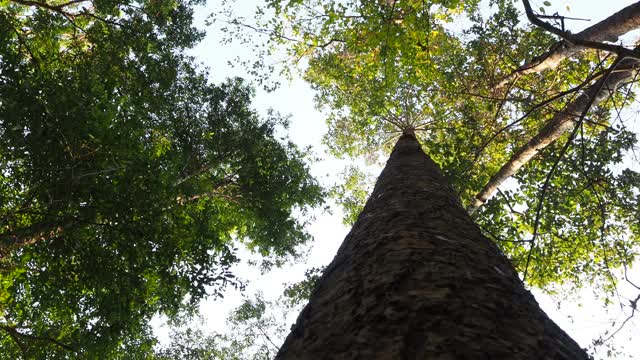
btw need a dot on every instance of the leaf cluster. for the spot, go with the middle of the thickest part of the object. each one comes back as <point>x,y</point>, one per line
<point>127,180</point>
<point>383,67</point>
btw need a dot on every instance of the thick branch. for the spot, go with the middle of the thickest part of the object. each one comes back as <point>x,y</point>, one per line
<point>28,236</point>
<point>609,29</point>
<point>44,5</point>
<point>574,39</point>
<point>15,334</point>
<point>558,125</point>
<point>215,193</point>
<point>199,171</point>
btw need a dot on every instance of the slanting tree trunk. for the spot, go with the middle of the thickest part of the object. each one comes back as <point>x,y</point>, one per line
<point>415,279</point>
<point>558,125</point>
<point>609,29</point>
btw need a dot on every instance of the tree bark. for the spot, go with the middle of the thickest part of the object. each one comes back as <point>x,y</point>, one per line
<point>609,30</point>
<point>416,279</point>
<point>561,122</point>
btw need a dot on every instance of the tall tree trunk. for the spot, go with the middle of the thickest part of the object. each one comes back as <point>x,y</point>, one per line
<point>415,279</point>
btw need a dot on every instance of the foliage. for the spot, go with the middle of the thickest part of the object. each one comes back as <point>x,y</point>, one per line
<point>351,194</point>
<point>384,66</point>
<point>299,293</point>
<point>126,179</point>
<point>589,215</point>
<point>255,328</point>
<point>194,344</point>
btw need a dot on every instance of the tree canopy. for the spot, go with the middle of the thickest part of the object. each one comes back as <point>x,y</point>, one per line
<point>127,180</point>
<point>492,97</point>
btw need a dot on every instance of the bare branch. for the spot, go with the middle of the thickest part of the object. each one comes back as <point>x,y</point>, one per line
<point>634,306</point>
<point>266,336</point>
<point>609,29</point>
<point>275,34</point>
<point>574,39</point>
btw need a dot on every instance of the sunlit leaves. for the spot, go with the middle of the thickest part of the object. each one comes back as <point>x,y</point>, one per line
<point>352,193</point>
<point>256,328</point>
<point>434,66</point>
<point>586,230</point>
<point>127,180</point>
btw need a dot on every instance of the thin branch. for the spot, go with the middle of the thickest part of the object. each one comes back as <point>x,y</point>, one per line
<point>531,110</point>
<point>498,239</point>
<point>558,125</point>
<point>94,16</point>
<point>573,39</point>
<point>214,193</point>
<point>71,3</point>
<point>601,203</point>
<point>276,34</point>
<point>22,41</point>
<point>54,8</point>
<point>16,339</point>
<point>199,171</point>
<point>634,307</point>
<point>624,101</point>
<point>545,186</point>
<point>609,29</point>
<point>267,337</point>
<point>626,278</point>
<point>508,202</point>
<point>15,333</point>
<point>16,240</point>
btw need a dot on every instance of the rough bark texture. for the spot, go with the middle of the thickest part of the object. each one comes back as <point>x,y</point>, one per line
<point>609,30</point>
<point>415,279</point>
<point>562,122</point>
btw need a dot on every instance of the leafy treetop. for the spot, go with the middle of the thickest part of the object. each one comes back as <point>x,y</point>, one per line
<point>126,179</point>
<point>439,68</point>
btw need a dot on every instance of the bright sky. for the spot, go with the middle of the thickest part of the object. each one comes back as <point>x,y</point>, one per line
<point>582,318</point>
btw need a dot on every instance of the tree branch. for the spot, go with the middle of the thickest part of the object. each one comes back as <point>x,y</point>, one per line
<point>34,234</point>
<point>557,126</point>
<point>44,5</point>
<point>199,171</point>
<point>266,336</point>
<point>60,9</point>
<point>609,29</point>
<point>597,96</point>
<point>576,40</point>
<point>634,306</point>
<point>15,334</point>
<point>529,112</point>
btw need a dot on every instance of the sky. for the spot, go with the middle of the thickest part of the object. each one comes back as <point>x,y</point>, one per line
<point>581,317</point>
